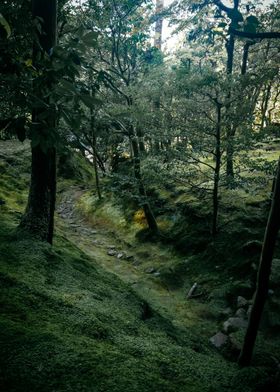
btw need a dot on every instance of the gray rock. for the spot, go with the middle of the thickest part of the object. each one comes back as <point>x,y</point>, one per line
<point>249,310</point>
<point>150,270</point>
<point>111,247</point>
<point>111,252</point>
<point>241,302</point>
<point>120,255</point>
<point>219,340</point>
<point>156,273</point>
<point>241,313</point>
<point>226,312</point>
<point>129,258</point>
<point>234,323</point>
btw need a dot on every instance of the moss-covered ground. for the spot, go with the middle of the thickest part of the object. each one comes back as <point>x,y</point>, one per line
<point>69,324</point>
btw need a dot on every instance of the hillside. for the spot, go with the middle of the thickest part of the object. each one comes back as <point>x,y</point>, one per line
<point>67,324</point>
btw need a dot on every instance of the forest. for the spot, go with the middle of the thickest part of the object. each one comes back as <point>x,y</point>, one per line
<point>140,195</point>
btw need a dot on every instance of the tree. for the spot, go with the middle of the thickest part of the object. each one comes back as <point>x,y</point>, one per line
<point>270,237</point>
<point>39,215</point>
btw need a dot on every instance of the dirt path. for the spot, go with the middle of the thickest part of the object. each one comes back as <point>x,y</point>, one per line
<point>115,255</point>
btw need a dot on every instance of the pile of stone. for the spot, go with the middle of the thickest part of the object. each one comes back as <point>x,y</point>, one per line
<point>234,323</point>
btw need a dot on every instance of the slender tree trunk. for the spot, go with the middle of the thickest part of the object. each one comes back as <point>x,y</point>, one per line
<point>245,57</point>
<point>52,188</point>
<point>158,29</point>
<point>265,105</point>
<point>230,136</point>
<point>94,149</point>
<point>217,171</point>
<point>140,135</point>
<point>230,127</point>
<point>152,224</point>
<point>269,242</point>
<point>39,215</point>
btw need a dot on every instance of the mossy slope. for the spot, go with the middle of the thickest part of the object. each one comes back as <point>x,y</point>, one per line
<point>67,325</point>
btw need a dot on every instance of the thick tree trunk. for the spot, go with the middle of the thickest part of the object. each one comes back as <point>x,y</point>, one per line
<point>269,242</point>
<point>39,216</point>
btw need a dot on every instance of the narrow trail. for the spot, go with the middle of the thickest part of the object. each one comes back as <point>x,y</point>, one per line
<point>110,251</point>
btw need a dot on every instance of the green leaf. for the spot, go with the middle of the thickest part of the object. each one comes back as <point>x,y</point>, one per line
<point>252,20</point>
<point>6,25</point>
<point>89,101</point>
<point>90,38</point>
<point>68,85</point>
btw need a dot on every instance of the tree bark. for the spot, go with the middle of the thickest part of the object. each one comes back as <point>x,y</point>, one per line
<point>151,221</point>
<point>39,215</point>
<point>264,270</point>
<point>158,29</point>
<point>93,142</point>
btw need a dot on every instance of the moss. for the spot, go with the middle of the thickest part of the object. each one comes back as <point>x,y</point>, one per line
<point>69,325</point>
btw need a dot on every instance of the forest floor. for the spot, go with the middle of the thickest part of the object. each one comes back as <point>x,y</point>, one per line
<point>97,312</point>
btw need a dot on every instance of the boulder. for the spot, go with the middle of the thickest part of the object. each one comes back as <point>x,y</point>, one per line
<point>234,323</point>
<point>241,313</point>
<point>241,302</point>
<point>111,252</point>
<point>219,340</point>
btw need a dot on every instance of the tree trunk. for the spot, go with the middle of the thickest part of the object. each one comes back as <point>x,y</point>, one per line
<point>265,105</point>
<point>158,29</point>
<point>93,142</point>
<point>39,215</point>
<point>217,171</point>
<point>137,173</point>
<point>245,57</point>
<point>230,128</point>
<point>269,241</point>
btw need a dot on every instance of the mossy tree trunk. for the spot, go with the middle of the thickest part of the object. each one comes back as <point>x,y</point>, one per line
<point>264,270</point>
<point>39,215</point>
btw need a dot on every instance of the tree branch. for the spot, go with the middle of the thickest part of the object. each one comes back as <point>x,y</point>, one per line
<point>245,34</point>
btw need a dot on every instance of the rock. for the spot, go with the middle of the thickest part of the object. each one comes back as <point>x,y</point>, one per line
<point>111,252</point>
<point>219,340</point>
<point>241,302</point>
<point>156,273</point>
<point>226,312</point>
<point>270,292</point>
<point>129,258</point>
<point>234,323</point>
<point>120,255</point>
<point>241,313</point>
<point>111,247</point>
<point>150,270</point>
<point>93,232</point>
